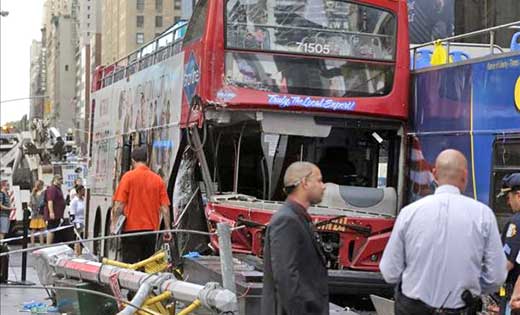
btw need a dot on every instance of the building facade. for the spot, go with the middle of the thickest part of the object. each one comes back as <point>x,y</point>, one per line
<point>60,39</point>
<point>61,72</point>
<point>88,19</point>
<point>88,27</point>
<point>68,29</point>
<point>36,89</point>
<point>137,22</point>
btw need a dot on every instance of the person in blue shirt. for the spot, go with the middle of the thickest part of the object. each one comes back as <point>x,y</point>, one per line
<point>445,248</point>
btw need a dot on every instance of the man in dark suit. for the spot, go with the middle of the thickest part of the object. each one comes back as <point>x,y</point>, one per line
<point>295,275</point>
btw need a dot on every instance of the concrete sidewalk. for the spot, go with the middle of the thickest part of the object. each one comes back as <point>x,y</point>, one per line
<point>12,299</point>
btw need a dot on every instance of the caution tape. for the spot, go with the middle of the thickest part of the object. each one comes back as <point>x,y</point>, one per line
<point>59,228</point>
<point>101,238</point>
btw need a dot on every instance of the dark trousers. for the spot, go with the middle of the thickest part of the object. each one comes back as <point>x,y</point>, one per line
<point>61,235</point>
<point>137,248</point>
<point>406,306</point>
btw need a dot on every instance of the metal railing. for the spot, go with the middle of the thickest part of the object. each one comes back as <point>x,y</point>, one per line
<point>491,31</point>
<point>159,49</point>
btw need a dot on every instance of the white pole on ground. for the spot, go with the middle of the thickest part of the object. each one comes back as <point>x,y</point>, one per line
<point>226,257</point>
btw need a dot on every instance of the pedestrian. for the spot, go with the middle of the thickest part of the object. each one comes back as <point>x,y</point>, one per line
<point>511,237</point>
<point>295,272</point>
<point>12,214</point>
<point>141,197</point>
<point>445,248</point>
<point>55,207</point>
<point>37,223</point>
<point>73,191</point>
<point>5,208</point>
<point>77,214</point>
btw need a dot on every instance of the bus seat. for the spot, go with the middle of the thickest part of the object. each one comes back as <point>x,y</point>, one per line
<point>376,200</point>
<point>423,60</point>
<point>458,55</point>
<point>515,44</point>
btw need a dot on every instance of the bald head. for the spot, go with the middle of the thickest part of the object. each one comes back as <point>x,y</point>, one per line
<point>296,172</point>
<point>305,181</point>
<point>451,168</point>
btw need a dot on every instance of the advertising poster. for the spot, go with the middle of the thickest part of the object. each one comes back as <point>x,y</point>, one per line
<point>430,20</point>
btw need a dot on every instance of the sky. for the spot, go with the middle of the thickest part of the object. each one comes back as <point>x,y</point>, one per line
<point>18,29</point>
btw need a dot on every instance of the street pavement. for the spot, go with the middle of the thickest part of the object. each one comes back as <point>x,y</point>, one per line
<point>12,299</point>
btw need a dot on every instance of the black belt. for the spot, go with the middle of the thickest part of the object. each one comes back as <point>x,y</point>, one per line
<point>431,310</point>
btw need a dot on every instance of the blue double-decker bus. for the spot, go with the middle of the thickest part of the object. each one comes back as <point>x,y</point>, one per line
<point>472,106</point>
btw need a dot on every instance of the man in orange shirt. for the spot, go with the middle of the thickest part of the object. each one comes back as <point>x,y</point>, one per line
<point>141,196</point>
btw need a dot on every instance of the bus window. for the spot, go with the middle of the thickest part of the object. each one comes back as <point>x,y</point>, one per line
<point>347,157</point>
<point>308,76</point>
<point>317,27</point>
<point>197,22</point>
<point>506,160</point>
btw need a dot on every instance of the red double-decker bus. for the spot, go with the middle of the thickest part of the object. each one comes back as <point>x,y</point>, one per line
<point>226,102</point>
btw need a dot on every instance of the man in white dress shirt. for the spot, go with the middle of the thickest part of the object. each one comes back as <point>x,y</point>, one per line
<point>444,248</point>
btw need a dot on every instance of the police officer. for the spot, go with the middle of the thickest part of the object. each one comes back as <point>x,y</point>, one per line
<point>510,235</point>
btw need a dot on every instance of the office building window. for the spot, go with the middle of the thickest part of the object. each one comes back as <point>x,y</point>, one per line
<point>140,21</point>
<point>159,5</point>
<point>177,5</point>
<point>139,38</point>
<point>140,5</point>
<point>158,21</point>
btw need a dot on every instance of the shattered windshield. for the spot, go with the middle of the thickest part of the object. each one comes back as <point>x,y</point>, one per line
<point>314,27</point>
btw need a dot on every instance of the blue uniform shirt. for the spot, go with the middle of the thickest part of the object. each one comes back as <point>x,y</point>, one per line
<point>442,245</point>
<point>511,239</point>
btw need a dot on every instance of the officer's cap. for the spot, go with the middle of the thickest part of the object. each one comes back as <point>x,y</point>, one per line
<point>510,182</point>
